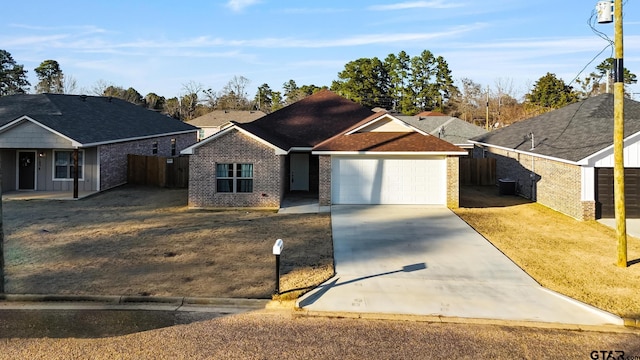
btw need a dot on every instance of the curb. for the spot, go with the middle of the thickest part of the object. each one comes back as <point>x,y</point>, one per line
<point>475,321</point>
<point>629,323</point>
<point>137,300</point>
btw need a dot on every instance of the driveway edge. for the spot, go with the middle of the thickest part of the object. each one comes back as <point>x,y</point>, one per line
<point>475,321</point>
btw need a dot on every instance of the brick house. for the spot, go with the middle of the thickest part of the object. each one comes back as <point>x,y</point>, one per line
<point>324,146</point>
<point>564,159</point>
<point>45,137</point>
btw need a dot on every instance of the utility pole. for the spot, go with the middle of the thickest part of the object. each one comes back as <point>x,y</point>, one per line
<point>604,9</point>
<point>1,243</point>
<point>604,17</point>
<point>618,137</point>
<point>486,125</point>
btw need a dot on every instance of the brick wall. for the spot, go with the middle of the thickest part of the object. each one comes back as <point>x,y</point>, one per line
<point>550,183</point>
<point>233,147</point>
<point>324,186</point>
<point>453,182</point>
<point>113,157</point>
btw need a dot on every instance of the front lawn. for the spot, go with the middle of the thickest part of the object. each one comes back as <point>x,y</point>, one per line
<point>571,257</point>
<point>145,241</point>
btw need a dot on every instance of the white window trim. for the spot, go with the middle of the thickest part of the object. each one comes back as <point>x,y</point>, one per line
<point>53,166</point>
<point>235,178</point>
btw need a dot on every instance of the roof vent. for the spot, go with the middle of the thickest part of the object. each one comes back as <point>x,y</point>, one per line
<point>83,97</point>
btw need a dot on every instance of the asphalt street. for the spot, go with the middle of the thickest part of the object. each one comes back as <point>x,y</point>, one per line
<point>267,334</point>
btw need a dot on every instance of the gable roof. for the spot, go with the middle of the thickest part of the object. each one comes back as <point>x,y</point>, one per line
<point>456,131</point>
<point>221,117</point>
<point>88,120</point>
<point>358,139</point>
<point>309,121</point>
<point>573,133</point>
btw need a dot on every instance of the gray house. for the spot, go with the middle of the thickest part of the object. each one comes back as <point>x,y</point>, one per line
<point>447,128</point>
<point>217,120</point>
<point>44,138</point>
<point>564,159</point>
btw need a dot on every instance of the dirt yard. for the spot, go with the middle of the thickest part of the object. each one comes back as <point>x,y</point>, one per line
<point>145,241</point>
<point>571,257</point>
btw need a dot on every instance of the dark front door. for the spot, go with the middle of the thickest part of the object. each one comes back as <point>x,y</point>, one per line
<point>26,170</point>
<point>604,193</point>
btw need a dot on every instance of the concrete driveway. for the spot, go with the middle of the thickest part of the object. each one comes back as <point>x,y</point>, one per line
<point>415,260</point>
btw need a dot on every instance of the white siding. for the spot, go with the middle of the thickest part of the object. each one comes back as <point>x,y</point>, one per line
<point>588,183</point>
<point>631,154</point>
<point>387,125</point>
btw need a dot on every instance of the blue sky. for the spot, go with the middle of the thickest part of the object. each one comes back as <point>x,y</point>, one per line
<point>158,46</point>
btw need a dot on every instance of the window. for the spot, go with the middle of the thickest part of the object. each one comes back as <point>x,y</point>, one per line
<point>234,178</point>
<point>154,148</point>
<point>63,165</point>
<point>173,147</point>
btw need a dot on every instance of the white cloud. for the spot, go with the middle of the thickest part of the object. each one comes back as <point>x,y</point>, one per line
<point>436,4</point>
<point>239,5</point>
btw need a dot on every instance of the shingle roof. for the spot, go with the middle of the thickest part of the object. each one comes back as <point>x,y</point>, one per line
<point>573,133</point>
<point>221,117</point>
<point>309,121</point>
<point>430,113</point>
<point>90,119</point>
<point>456,131</point>
<point>387,142</point>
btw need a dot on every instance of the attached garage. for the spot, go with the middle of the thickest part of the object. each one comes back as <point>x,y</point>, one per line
<point>604,193</point>
<point>389,180</point>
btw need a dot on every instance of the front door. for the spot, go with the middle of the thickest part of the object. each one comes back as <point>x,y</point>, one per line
<point>26,170</point>
<point>299,174</point>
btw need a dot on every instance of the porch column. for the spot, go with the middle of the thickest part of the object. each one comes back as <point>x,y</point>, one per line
<point>75,173</point>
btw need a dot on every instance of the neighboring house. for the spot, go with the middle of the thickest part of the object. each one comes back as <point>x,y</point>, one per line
<point>217,120</point>
<point>41,135</point>
<point>448,128</point>
<point>324,145</point>
<point>564,159</point>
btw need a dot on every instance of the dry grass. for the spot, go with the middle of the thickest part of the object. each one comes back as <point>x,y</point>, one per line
<point>145,241</point>
<point>571,257</point>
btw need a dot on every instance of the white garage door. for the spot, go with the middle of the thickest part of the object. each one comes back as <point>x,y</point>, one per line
<point>388,180</point>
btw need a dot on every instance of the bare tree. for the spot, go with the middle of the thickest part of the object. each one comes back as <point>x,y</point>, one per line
<point>99,87</point>
<point>69,85</point>
<point>234,94</point>
<point>189,101</point>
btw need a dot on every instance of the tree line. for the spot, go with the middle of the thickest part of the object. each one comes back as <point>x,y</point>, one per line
<point>400,83</point>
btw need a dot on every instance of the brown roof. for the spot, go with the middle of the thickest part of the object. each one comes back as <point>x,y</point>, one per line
<point>309,121</point>
<point>430,113</point>
<point>221,117</point>
<point>387,142</point>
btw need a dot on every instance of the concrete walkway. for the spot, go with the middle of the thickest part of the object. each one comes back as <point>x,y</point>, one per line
<point>410,260</point>
<point>302,204</point>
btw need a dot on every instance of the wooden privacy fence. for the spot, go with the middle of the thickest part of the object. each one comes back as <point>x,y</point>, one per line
<point>172,172</point>
<point>477,171</point>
